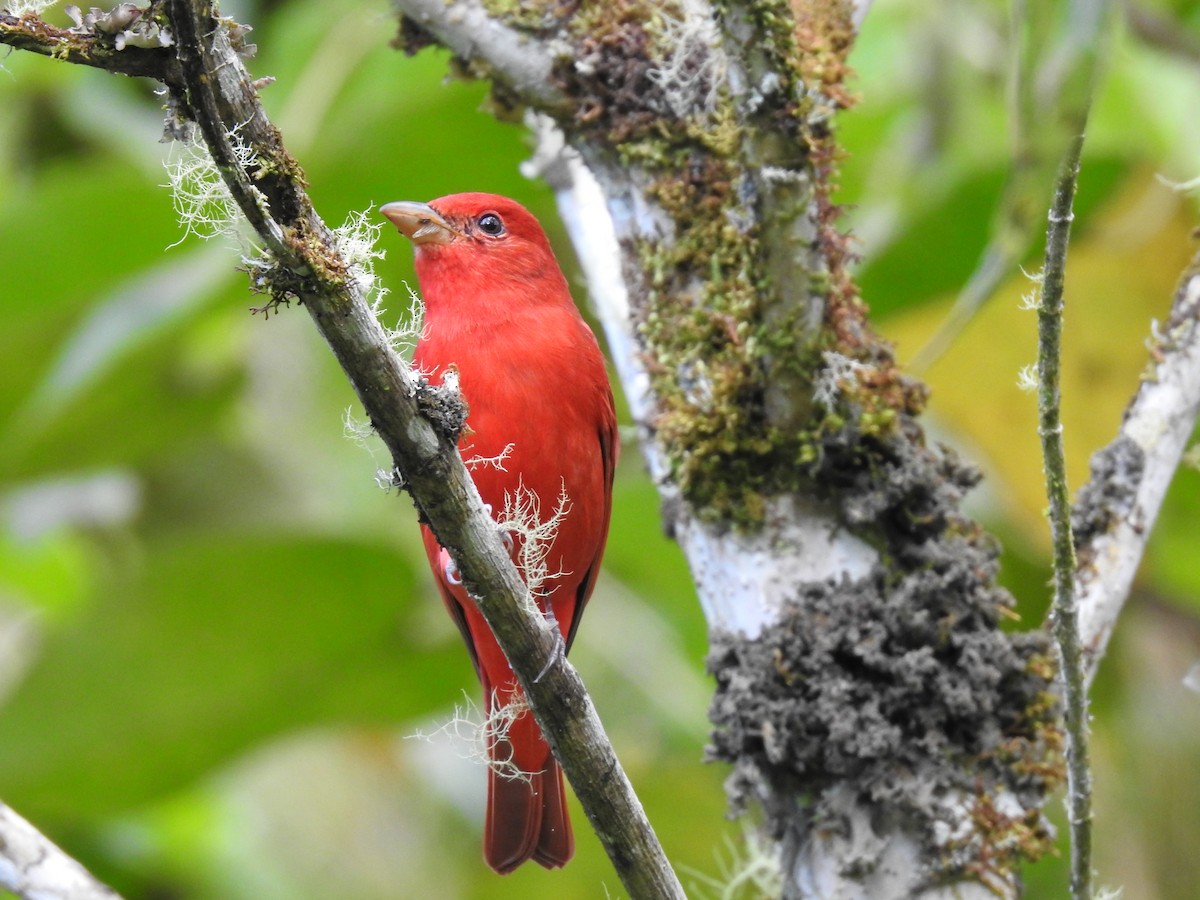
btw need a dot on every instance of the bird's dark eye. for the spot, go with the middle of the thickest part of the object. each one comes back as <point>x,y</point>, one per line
<point>489,223</point>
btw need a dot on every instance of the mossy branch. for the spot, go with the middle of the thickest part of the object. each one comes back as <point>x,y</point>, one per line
<point>210,84</point>
<point>494,49</point>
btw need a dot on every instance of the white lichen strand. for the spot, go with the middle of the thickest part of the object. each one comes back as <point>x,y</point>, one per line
<point>752,869</point>
<point>496,462</point>
<point>409,330</point>
<point>840,375</point>
<point>356,239</point>
<point>494,732</point>
<point>20,8</point>
<point>1031,301</point>
<point>1027,378</point>
<point>361,433</point>
<point>470,734</point>
<point>534,536</point>
<point>202,201</point>
<point>694,69</point>
<point>356,430</point>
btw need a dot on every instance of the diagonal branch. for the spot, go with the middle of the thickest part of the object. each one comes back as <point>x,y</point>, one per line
<point>1115,511</point>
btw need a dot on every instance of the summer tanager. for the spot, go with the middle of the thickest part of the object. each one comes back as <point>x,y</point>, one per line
<point>541,427</point>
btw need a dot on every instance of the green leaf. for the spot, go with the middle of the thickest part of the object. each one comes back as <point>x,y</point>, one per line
<point>202,651</point>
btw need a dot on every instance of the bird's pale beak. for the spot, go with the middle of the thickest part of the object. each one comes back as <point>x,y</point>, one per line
<point>419,222</point>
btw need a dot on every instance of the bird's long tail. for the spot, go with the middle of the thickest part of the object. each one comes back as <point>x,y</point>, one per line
<point>526,805</point>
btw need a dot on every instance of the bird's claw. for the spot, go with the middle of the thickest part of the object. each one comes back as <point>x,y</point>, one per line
<point>559,651</point>
<point>560,646</point>
<point>506,537</point>
<point>450,568</point>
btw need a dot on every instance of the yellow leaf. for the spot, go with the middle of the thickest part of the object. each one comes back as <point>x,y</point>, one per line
<point>1121,274</point>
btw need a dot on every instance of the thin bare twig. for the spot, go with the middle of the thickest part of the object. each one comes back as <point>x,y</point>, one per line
<point>1084,43</point>
<point>1065,612</point>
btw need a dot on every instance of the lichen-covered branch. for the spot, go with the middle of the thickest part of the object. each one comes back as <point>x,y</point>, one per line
<point>420,426</point>
<point>1115,511</point>
<point>34,868</point>
<point>92,46</point>
<point>511,56</point>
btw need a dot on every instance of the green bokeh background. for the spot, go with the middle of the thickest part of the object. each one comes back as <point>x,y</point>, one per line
<point>219,648</point>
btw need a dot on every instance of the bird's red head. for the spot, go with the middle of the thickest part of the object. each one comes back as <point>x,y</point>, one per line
<point>475,240</point>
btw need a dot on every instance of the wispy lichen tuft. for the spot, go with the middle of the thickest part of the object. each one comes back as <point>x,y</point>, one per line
<point>751,870</point>
<point>533,536</point>
<point>20,8</point>
<point>470,734</point>
<point>202,201</point>
<point>357,241</point>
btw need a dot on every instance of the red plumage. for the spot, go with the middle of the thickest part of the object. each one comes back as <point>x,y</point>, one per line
<point>497,309</point>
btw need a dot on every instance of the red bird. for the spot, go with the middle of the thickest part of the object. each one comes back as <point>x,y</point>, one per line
<point>541,425</point>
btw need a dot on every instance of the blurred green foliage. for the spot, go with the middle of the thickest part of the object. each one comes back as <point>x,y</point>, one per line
<point>217,638</point>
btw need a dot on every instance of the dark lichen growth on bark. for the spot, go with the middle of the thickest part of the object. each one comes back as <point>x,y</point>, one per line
<point>900,684</point>
<point>411,37</point>
<point>444,407</point>
<point>1116,472</point>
